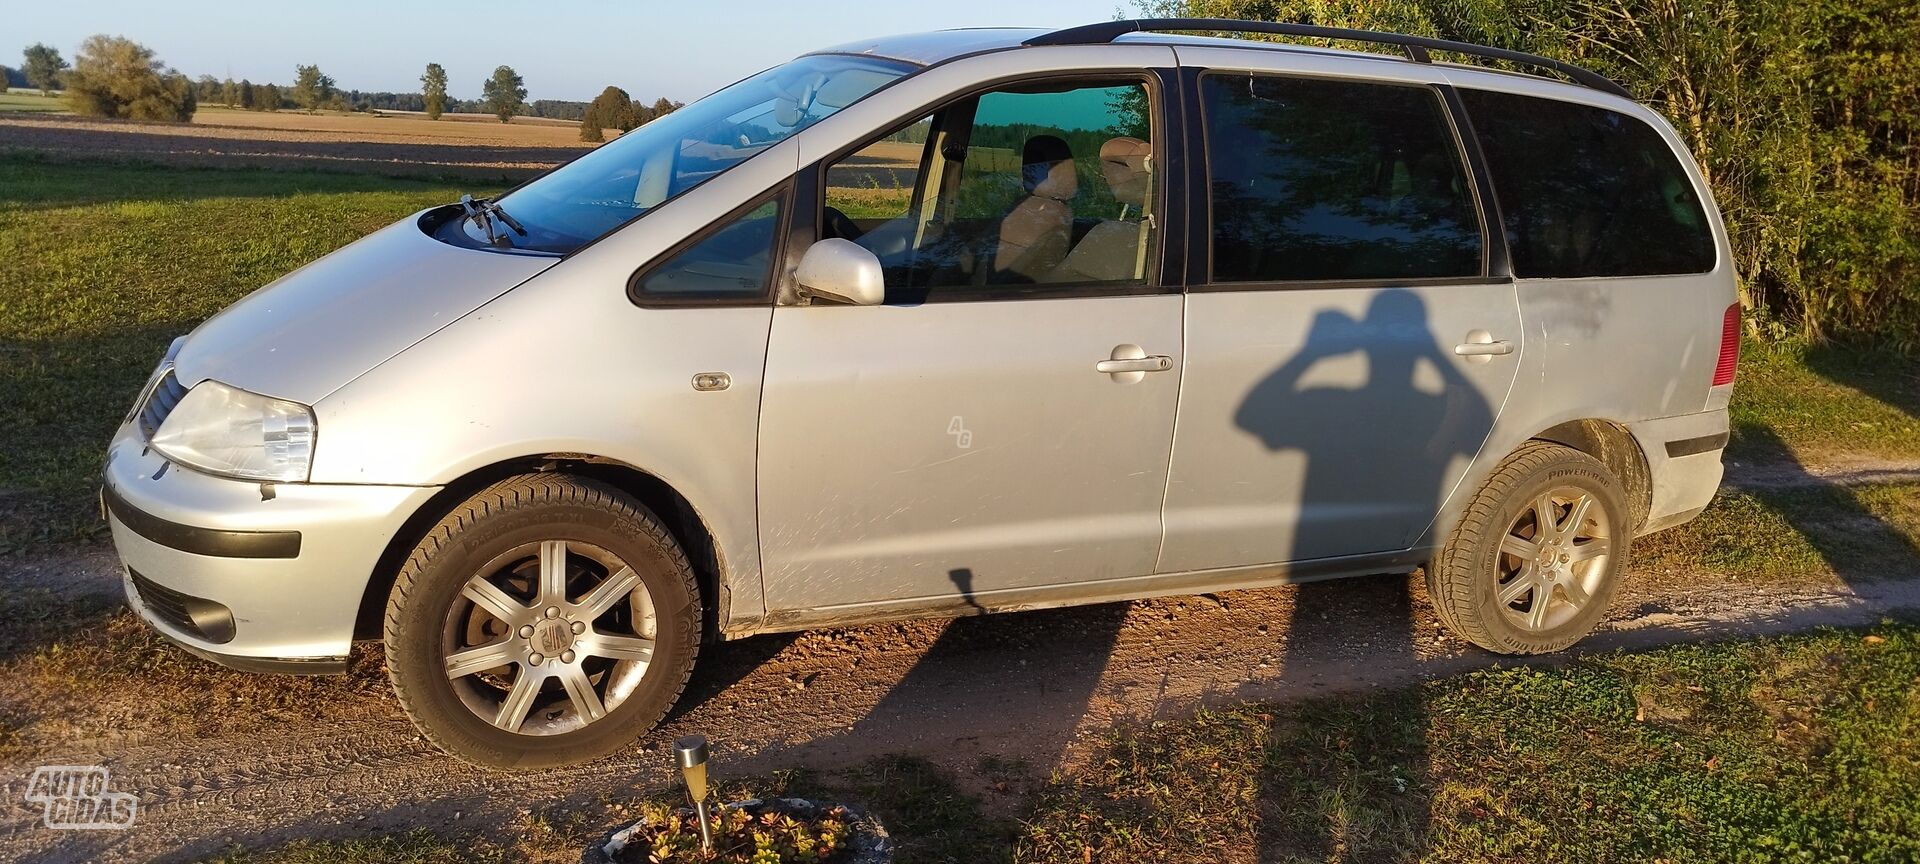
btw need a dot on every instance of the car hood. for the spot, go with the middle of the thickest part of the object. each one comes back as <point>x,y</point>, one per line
<point>327,323</point>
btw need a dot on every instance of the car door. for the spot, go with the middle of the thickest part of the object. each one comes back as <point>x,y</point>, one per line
<point>1355,333</point>
<point>1003,421</point>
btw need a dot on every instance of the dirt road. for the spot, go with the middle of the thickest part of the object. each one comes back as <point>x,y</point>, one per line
<point>1028,685</point>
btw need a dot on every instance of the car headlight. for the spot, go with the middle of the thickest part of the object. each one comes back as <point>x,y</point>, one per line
<point>226,430</point>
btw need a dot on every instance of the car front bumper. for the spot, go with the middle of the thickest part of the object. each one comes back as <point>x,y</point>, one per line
<point>264,577</point>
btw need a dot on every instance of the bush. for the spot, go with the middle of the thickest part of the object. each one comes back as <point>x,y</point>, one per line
<point>116,77</point>
<point>1804,116</point>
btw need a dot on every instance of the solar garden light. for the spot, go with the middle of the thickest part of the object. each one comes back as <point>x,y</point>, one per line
<point>691,754</point>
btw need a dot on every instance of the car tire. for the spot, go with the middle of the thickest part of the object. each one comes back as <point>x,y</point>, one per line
<point>1522,572</point>
<point>567,631</point>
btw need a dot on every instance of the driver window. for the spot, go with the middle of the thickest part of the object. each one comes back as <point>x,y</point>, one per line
<point>1017,190</point>
<point>869,194</point>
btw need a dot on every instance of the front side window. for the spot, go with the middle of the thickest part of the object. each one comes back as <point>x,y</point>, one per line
<point>1586,191</point>
<point>1035,187</point>
<point>631,175</point>
<point>1315,179</point>
<point>733,262</point>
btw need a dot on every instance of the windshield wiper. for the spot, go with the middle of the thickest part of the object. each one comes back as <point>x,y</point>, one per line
<point>484,211</point>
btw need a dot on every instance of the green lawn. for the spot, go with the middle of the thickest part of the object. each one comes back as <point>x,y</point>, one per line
<point>1826,403</point>
<point>1804,748</point>
<point>105,264</point>
<point>31,102</point>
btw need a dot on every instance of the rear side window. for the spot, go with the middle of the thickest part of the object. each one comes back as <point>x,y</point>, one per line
<point>1315,179</point>
<point>1585,191</point>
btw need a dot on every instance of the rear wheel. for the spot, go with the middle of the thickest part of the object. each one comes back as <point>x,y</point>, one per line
<point>1538,554</point>
<point>548,620</point>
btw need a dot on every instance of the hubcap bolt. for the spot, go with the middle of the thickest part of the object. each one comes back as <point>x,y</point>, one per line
<point>579,627</point>
<point>553,611</point>
<point>537,659</point>
<point>566,657</point>
<point>526,632</point>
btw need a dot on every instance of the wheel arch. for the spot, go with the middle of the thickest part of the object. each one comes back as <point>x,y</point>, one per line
<point>1617,449</point>
<point>689,529</point>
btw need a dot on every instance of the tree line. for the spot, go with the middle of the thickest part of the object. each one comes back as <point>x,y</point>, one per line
<point>111,76</point>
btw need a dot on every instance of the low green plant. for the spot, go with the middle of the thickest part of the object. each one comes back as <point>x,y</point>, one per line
<point>672,836</point>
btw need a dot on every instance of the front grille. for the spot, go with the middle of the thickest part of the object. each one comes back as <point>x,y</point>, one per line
<point>166,394</point>
<point>198,616</point>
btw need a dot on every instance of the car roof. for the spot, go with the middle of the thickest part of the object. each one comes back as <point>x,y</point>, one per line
<point>937,46</point>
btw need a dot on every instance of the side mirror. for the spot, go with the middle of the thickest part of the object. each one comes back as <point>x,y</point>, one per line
<point>841,271</point>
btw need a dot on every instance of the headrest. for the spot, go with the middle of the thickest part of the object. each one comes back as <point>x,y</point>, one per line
<point>1124,163</point>
<point>1047,168</point>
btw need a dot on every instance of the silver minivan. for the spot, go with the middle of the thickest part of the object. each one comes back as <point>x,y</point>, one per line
<point>958,322</point>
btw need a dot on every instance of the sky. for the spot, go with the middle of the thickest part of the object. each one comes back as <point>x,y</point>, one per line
<point>564,49</point>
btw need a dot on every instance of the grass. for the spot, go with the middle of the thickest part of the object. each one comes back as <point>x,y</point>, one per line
<point>1802,748</point>
<point>930,818</point>
<point>1796,749</point>
<point>1826,402</point>
<point>31,102</point>
<point>106,264</point>
<point>1776,535</point>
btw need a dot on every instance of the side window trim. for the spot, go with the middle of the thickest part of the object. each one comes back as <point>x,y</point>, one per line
<point>776,263</point>
<point>1168,124</point>
<point>1199,200</point>
<point>1496,260</point>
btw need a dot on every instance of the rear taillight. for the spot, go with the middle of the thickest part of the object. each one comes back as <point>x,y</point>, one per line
<point>1729,347</point>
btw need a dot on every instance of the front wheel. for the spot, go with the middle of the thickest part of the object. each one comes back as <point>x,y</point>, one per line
<point>548,620</point>
<point>1538,554</point>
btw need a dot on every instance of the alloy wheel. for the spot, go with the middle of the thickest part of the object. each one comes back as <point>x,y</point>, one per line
<point>1552,559</point>
<point>549,637</point>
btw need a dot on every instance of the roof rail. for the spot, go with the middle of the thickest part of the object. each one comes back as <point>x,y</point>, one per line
<point>1416,47</point>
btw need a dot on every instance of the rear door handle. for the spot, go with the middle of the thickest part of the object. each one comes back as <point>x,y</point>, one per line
<point>1481,347</point>
<point>1154,363</point>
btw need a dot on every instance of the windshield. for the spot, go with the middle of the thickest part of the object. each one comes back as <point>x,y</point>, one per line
<point>612,185</point>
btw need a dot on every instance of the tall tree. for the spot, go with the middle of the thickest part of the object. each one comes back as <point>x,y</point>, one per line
<point>612,109</point>
<point>505,93</point>
<point>268,97</point>
<point>248,97</point>
<point>433,90</point>
<point>311,87</point>
<point>44,65</point>
<point>229,93</point>
<point>117,77</point>
<point>664,106</point>
<point>206,88</point>
<point>5,73</point>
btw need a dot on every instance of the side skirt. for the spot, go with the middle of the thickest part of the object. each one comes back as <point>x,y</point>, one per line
<point>1087,593</point>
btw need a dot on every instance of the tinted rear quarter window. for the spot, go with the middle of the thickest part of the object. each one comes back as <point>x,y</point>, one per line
<point>1315,179</point>
<point>1585,191</point>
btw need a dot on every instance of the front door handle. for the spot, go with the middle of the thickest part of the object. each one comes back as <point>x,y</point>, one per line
<point>1130,363</point>
<point>1481,347</point>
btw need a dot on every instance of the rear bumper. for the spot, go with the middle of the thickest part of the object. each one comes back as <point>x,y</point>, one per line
<point>256,577</point>
<point>1683,462</point>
